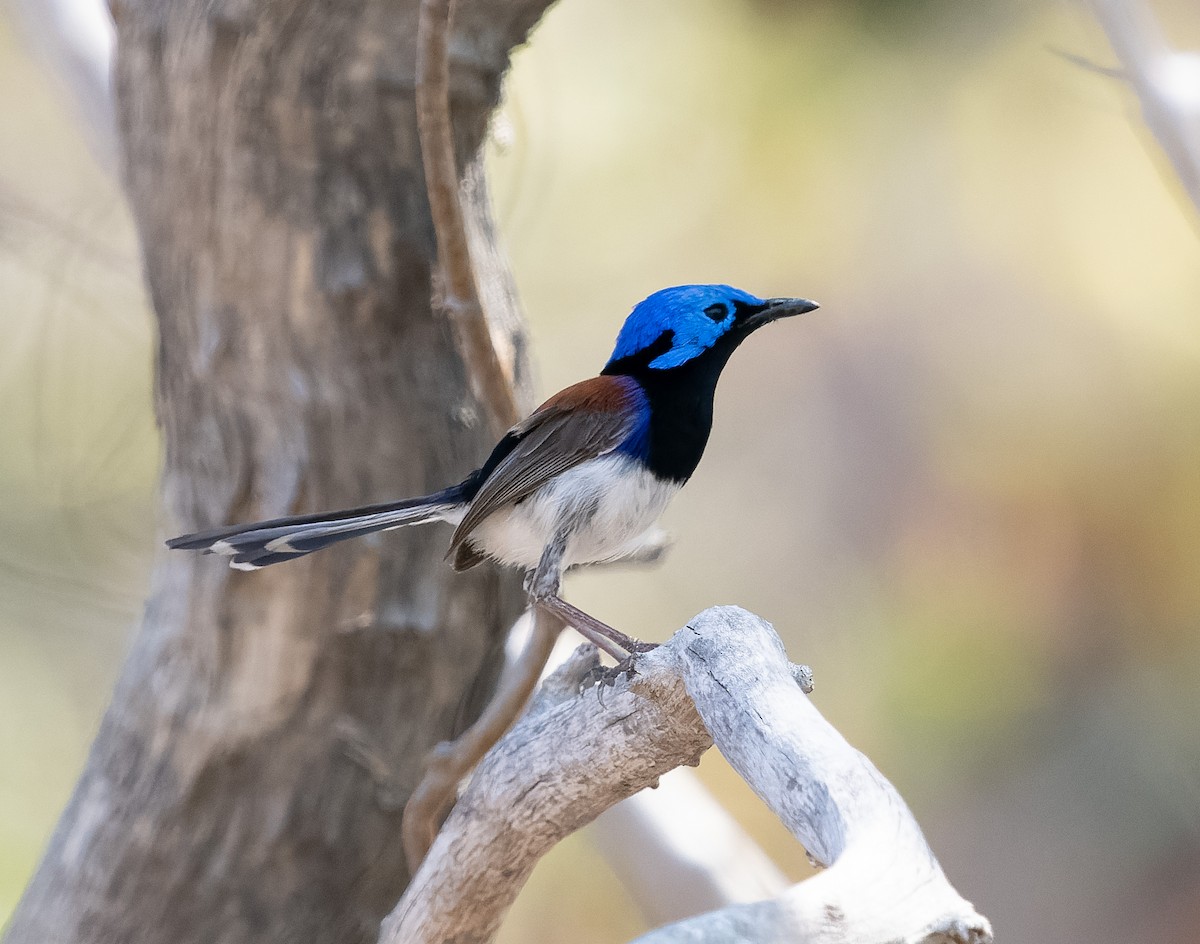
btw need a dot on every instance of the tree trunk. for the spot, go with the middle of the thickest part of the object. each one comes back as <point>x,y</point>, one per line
<point>248,778</point>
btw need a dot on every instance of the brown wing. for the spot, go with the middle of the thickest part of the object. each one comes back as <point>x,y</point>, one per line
<point>584,421</point>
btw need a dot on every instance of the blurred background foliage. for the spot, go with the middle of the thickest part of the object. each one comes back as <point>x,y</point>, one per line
<point>967,490</point>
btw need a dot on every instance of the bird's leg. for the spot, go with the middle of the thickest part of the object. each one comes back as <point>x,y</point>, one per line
<point>548,601</point>
<point>590,627</point>
<point>543,586</point>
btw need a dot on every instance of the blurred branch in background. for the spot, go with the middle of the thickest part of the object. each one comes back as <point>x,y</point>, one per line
<point>492,379</point>
<point>450,761</point>
<point>673,869</point>
<point>76,38</point>
<point>1166,80</point>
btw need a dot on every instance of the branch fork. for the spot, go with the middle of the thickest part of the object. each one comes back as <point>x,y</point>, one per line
<point>723,679</point>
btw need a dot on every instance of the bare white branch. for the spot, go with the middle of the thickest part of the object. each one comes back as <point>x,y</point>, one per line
<point>575,755</point>
<point>882,882</point>
<point>678,852</point>
<point>1166,81</point>
<point>570,757</point>
<point>75,38</point>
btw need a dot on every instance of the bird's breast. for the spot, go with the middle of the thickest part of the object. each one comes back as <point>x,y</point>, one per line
<point>606,504</point>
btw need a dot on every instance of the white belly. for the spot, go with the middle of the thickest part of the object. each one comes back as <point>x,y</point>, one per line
<point>610,502</point>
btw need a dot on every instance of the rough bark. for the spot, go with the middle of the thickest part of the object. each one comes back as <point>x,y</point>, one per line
<point>723,679</point>
<point>570,757</point>
<point>247,780</point>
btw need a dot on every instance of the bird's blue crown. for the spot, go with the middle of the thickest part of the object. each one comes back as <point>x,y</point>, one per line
<point>696,315</point>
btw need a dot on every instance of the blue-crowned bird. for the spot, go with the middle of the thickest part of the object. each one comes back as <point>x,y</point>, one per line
<point>583,478</point>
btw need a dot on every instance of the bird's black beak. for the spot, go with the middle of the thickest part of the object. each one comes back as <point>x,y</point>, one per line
<point>776,308</point>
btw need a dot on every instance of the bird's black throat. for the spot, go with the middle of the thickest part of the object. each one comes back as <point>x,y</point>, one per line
<point>681,402</point>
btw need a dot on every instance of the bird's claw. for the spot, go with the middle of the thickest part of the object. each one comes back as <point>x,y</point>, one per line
<point>603,676</point>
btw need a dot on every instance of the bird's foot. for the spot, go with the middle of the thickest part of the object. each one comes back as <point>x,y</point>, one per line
<point>606,676</point>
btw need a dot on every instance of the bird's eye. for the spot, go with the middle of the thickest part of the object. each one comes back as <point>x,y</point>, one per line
<point>717,312</point>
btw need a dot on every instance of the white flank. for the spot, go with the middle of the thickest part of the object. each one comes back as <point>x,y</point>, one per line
<point>611,502</point>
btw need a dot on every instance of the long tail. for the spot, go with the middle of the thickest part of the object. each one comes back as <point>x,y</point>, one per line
<point>251,546</point>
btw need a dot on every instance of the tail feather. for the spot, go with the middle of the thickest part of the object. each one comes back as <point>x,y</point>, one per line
<point>258,561</point>
<point>251,546</point>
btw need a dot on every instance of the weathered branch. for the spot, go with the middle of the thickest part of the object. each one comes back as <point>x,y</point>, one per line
<point>497,390</point>
<point>450,761</point>
<point>671,868</point>
<point>493,385</point>
<point>570,757</point>
<point>1164,85</point>
<point>575,755</point>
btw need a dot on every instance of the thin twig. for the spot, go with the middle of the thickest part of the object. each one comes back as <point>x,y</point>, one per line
<point>1089,65</point>
<point>492,383</point>
<point>494,386</point>
<point>450,761</point>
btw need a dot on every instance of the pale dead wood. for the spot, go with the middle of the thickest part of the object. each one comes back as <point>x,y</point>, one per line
<point>1170,102</point>
<point>450,761</point>
<point>570,757</point>
<point>575,755</point>
<point>881,881</point>
<point>671,868</point>
<point>650,840</point>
